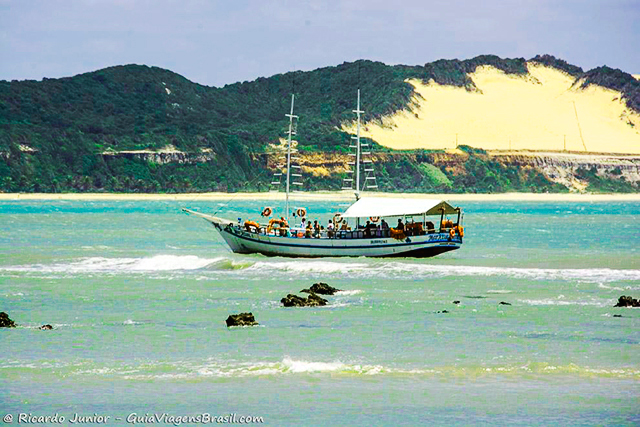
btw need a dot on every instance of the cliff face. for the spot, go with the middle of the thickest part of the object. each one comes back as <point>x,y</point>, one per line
<point>163,156</point>
<point>569,171</point>
<point>574,170</point>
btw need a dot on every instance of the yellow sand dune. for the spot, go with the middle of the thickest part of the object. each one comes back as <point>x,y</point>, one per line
<point>541,111</point>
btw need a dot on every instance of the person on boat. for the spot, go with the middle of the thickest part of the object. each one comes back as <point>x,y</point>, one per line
<point>384,225</point>
<point>307,232</point>
<point>303,223</point>
<point>316,229</point>
<point>400,226</point>
<point>284,227</point>
<point>344,226</point>
<point>330,229</point>
<point>367,229</point>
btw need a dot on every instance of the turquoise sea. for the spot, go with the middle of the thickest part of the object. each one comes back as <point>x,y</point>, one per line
<point>138,293</point>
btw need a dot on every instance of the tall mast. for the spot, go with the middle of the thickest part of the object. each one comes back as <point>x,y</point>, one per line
<point>358,112</point>
<point>289,135</point>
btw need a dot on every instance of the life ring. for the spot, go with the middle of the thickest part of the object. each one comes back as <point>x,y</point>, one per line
<point>374,218</point>
<point>266,211</point>
<point>301,212</point>
<point>337,219</point>
<point>452,233</point>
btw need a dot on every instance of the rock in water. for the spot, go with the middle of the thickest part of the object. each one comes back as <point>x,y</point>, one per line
<point>322,289</point>
<point>46,327</point>
<point>242,319</point>
<point>626,301</point>
<point>503,303</point>
<point>312,300</point>
<point>5,322</point>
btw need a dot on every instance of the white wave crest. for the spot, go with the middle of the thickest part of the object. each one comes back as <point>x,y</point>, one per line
<point>396,269</point>
<point>560,301</point>
<point>115,265</point>
<point>349,292</point>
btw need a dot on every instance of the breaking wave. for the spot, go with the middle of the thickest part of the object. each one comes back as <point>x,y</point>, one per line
<point>400,269</point>
<point>360,269</point>
<point>295,367</point>
<point>115,265</point>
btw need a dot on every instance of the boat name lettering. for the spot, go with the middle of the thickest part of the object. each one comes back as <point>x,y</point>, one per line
<point>378,241</point>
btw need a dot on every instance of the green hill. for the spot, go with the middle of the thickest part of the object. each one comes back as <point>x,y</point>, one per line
<point>54,133</point>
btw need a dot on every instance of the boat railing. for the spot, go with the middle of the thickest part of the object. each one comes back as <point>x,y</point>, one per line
<point>411,229</point>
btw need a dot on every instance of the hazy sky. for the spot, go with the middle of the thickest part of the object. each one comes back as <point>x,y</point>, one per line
<point>216,42</point>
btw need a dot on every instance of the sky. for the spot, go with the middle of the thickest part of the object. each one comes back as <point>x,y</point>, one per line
<point>218,42</point>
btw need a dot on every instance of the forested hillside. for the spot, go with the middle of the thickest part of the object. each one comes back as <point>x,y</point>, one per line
<point>72,134</point>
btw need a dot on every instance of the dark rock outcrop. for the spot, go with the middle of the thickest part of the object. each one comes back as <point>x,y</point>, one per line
<point>46,327</point>
<point>322,289</point>
<point>312,300</point>
<point>617,315</point>
<point>242,319</point>
<point>456,302</point>
<point>626,301</point>
<point>503,303</point>
<point>5,321</point>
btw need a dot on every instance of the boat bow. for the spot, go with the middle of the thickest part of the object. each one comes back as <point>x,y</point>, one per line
<point>212,219</point>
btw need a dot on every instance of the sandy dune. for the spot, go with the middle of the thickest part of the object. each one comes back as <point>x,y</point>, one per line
<point>537,112</point>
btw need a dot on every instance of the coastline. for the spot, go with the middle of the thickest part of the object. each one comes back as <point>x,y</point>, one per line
<point>322,195</point>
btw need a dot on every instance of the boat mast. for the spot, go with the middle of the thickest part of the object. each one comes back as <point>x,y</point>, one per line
<point>358,112</point>
<point>289,135</point>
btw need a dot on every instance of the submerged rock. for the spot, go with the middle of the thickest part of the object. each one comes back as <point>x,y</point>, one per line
<point>626,301</point>
<point>242,319</point>
<point>46,327</point>
<point>617,315</point>
<point>504,303</point>
<point>456,302</point>
<point>322,289</point>
<point>5,321</point>
<point>312,300</point>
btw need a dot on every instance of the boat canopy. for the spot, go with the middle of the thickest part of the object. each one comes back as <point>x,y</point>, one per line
<point>387,206</point>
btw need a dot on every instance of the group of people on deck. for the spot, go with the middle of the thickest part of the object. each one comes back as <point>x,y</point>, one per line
<point>315,230</point>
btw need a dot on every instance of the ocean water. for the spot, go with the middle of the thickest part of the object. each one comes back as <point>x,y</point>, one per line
<point>138,293</point>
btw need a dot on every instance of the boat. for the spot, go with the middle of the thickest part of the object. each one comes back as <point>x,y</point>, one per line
<point>425,227</point>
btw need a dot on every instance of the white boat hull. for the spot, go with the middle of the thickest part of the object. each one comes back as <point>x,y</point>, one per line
<point>428,245</point>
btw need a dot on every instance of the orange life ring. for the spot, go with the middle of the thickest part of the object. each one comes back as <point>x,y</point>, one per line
<point>266,211</point>
<point>374,218</point>
<point>301,212</point>
<point>337,219</point>
<point>452,233</point>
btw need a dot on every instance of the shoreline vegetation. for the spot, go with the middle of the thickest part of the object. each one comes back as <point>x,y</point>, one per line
<point>325,195</point>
